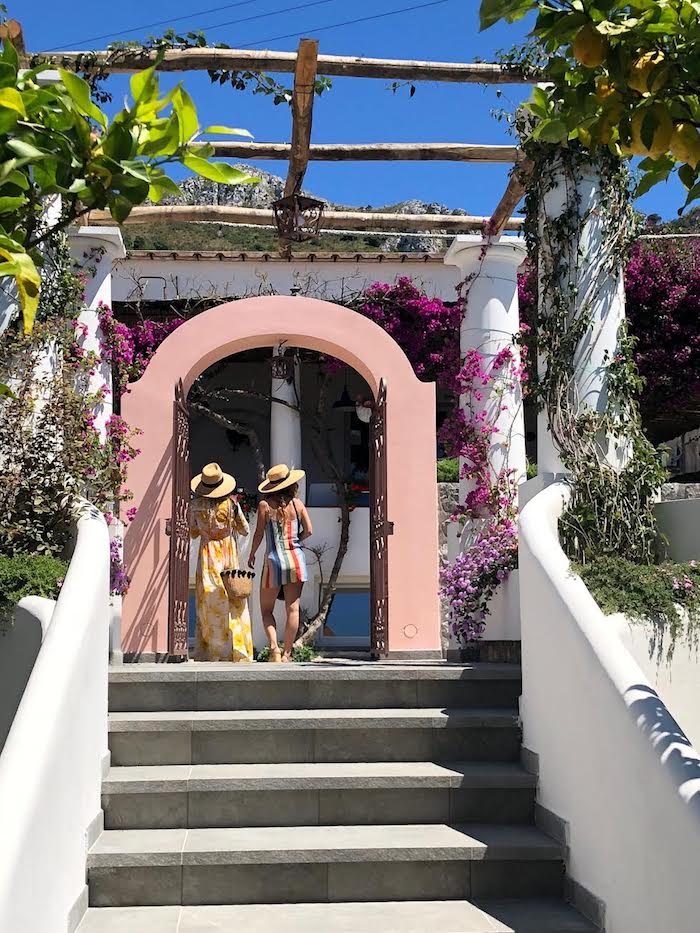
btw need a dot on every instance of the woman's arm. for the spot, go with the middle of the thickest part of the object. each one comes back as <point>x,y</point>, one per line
<point>308,529</point>
<point>240,522</point>
<point>259,532</point>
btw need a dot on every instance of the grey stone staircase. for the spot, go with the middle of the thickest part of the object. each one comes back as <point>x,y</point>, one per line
<point>329,797</point>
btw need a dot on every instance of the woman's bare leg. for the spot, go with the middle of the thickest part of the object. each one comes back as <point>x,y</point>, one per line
<point>292,595</point>
<point>268,595</point>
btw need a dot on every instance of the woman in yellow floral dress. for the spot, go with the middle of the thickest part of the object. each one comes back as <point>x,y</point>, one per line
<point>223,630</point>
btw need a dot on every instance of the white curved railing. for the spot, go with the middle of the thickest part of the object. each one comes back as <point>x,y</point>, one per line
<point>51,766</point>
<point>613,763</point>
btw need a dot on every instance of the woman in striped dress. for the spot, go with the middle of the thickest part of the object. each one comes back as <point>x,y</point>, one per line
<point>285,523</point>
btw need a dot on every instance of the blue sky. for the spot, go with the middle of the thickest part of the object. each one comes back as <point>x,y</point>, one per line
<point>355,110</point>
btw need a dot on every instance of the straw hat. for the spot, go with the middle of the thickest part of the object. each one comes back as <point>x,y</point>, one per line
<point>280,477</point>
<point>212,482</point>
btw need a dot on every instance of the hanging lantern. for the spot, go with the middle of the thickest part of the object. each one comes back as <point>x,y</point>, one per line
<point>344,403</point>
<point>283,368</point>
<point>298,217</point>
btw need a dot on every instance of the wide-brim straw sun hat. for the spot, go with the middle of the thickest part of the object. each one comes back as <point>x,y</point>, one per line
<point>280,477</point>
<point>212,482</point>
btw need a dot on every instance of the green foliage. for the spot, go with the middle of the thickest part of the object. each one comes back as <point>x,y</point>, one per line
<point>617,74</point>
<point>54,140</point>
<point>28,575</point>
<point>448,470</point>
<point>184,236</point>
<point>299,653</point>
<point>50,451</point>
<point>667,596</point>
<point>611,510</point>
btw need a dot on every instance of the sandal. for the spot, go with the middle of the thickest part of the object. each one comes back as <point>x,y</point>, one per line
<point>275,656</point>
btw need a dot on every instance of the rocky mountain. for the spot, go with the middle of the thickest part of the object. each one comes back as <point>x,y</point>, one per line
<point>270,187</point>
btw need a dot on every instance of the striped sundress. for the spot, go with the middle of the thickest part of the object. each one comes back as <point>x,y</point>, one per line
<point>285,561</point>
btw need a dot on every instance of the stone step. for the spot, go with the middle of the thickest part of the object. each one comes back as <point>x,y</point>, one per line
<point>316,864</point>
<point>459,916</point>
<point>270,736</point>
<point>175,796</point>
<point>203,686</point>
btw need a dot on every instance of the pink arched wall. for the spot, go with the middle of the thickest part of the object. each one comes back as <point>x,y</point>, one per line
<point>413,624</point>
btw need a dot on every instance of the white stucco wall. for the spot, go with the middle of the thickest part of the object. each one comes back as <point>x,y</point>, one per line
<point>52,764</point>
<point>162,277</point>
<point>676,679</point>
<point>613,762</point>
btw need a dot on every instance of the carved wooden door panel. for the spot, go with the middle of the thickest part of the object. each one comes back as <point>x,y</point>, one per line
<point>380,529</point>
<point>179,574</point>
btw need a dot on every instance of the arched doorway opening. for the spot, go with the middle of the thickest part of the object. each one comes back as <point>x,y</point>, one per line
<point>409,565</point>
<point>295,406</point>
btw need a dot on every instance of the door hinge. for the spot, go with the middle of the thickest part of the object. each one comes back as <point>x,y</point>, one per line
<point>169,527</point>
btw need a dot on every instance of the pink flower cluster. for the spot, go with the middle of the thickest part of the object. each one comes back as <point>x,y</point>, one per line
<point>118,577</point>
<point>129,349</point>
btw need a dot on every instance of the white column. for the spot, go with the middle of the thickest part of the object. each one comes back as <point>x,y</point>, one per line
<point>586,274</point>
<point>285,422</point>
<point>95,249</point>
<point>489,324</point>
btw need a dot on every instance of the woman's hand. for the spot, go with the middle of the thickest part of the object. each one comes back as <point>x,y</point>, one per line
<point>251,561</point>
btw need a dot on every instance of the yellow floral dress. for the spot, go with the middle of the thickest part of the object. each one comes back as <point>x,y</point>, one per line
<point>223,630</point>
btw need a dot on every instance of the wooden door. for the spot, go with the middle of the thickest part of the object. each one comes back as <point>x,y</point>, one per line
<point>380,529</point>
<point>179,573</point>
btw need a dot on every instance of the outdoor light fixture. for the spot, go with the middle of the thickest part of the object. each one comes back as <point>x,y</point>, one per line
<point>298,217</point>
<point>283,368</point>
<point>344,403</point>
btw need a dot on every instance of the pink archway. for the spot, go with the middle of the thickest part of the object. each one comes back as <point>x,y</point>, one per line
<point>413,620</point>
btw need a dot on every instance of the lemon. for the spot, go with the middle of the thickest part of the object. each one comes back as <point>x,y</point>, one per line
<point>590,48</point>
<point>662,134</point>
<point>605,91</point>
<point>685,144</point>
<point>639,76</point>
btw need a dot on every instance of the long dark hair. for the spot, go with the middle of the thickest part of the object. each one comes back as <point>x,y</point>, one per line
<point>278,501</point>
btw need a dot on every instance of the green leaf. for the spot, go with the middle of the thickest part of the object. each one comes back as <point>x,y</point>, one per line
<point>79,92</point>
<point>144,85</point>
<point>186,114</point>
<point>20,265</point>
<point>648,181</point>
<point>9,203</point>
<point>120,207</point>
<point>117,143</point>
<point>693,194</point>
<point>11,99</point>
<point>649,125</point>
<point>10,55</point>
<point>218,171</point>
<point>228,131</point>
<point>17,178</point>
<point>492,11</point>
<point>161,186</point>
<point>551,131</point>
<point>25,150</point>
<point>137,169</point>
<point>162,139</point>
<point>6,390</point>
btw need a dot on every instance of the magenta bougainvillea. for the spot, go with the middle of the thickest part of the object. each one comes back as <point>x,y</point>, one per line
<point>130,349</point>
<point>662,284</point>
<point>426,329</point>
<point>486,386</point>
<point>662,289</point>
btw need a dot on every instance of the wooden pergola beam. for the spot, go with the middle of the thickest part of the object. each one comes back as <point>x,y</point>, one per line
<point>210,59</point>
<point>373,152</point>
<point>342,220</point>
<point>12,29</point>
<point>515,190</point>
<point>302,114</point>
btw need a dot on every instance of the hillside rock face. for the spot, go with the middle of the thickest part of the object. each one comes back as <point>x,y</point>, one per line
<point>270,187</point>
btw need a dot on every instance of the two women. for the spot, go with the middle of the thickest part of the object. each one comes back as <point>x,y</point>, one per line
<point>223,631</point>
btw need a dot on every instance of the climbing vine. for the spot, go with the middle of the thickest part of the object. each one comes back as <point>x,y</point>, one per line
<point>615,470</point>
